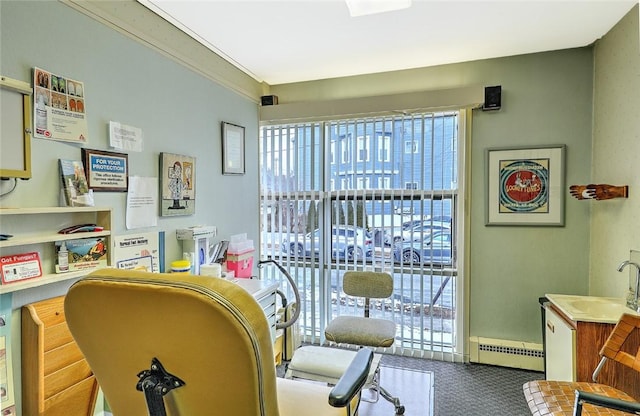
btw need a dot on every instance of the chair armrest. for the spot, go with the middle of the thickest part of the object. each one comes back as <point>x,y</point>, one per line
<point>352,380</point>
<point>604,401</point>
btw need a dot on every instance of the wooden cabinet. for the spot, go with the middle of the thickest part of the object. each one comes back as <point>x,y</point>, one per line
<point>56,379</point>
<point>36,229</point>
<point>585,353</point>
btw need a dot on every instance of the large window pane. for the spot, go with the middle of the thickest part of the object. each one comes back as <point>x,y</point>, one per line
<point>377,194</point>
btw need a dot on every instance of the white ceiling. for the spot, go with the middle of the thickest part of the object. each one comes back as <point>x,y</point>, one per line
<point>279,42</point>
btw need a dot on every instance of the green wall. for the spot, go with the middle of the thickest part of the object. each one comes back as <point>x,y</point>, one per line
<point>546,99</point>
<point>615,224</point>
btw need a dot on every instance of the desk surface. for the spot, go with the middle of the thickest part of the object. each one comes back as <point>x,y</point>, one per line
<point>258,288</point>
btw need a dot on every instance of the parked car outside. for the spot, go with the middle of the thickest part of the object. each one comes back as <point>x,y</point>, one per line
<point>394,234</point>
<point>434,248</point>
<point>411,230</point>
<point>423,228</point>
<point>347,242</point>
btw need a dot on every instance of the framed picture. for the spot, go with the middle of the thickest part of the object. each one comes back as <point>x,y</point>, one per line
<point>177,185</point>
<point>525,186</point>
<point>106,171</point>
<point>232,149</point>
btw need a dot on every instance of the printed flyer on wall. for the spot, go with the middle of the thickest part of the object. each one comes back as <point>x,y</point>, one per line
<point>59,107</point>
<point>137,252</point>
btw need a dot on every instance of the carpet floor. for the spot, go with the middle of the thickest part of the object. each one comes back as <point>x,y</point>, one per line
<point>457,389</point>
<point>396,381</point>
<point>469,389</point>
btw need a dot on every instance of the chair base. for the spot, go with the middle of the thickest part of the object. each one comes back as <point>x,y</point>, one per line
<point>327,365</point>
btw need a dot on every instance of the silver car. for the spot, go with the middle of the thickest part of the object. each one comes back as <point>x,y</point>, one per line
<point>434,248</point>
<point>347,242</point>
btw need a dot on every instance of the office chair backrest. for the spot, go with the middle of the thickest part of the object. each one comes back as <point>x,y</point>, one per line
<point>208,332</point>
<point>373,285</point>
<point>368,285</point>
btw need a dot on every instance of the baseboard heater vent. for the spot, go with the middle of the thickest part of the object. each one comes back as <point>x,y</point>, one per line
<point>506,353</point>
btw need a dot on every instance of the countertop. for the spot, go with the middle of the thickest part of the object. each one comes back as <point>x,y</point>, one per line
<point>590,308</point>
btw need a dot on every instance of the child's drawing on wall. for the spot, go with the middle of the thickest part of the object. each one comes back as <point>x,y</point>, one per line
<point>177,173</point>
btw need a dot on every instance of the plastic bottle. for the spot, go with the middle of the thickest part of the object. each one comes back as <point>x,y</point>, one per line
<point>63,258</point>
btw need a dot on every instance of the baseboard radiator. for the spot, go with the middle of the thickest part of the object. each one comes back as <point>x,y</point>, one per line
<point>506,353</point>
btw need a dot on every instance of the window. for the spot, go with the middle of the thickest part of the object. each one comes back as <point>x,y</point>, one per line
<point>333,152</point>
<point>384,183</point>
<point>411,146</point>
<point>358,208</point>
<point>384,148</point>
<point>362,183</point>
<point>346,150</point>
<point>363,149</point>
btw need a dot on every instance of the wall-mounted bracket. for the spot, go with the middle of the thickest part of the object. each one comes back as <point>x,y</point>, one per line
<point>599,192</point>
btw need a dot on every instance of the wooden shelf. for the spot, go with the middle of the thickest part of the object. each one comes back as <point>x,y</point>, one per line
<point>46,238</point>
<point>43,280</point>
<point>38,227</point>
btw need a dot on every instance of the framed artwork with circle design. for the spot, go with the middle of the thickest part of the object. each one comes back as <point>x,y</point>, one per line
<point>525,186</point>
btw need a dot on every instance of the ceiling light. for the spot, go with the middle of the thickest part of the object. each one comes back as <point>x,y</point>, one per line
<point>365,7</point>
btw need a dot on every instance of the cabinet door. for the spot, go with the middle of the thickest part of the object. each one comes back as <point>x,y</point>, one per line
<point>560,347</point>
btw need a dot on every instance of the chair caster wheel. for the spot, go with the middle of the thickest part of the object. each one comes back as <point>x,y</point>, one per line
<point>399,410</point>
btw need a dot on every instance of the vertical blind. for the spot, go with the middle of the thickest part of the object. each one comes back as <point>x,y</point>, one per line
<point>367,194</point>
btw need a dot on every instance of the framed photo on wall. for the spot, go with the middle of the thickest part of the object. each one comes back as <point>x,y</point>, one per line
<point>177,184</point>
<point>525,186</point>
<point>232,149</point>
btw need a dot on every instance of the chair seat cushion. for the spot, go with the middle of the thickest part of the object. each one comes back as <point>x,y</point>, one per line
<point>546,397</point>
<point>325,364</point>
<point>355,330</point>
<point>296,398</point>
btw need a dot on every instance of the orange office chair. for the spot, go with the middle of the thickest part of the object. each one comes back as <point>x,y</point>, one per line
<point>170,344</point>
<point>549,397</point>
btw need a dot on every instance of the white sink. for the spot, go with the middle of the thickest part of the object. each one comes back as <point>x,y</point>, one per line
<point>597,307</point>
<point>591,308</point>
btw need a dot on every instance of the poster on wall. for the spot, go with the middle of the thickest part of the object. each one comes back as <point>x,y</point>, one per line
<point>59,107</point>
<point>177,184</point>
<point>525,186</point>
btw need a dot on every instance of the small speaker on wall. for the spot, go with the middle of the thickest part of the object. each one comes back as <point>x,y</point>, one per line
<point>492,98</point>
<point>269,99</point>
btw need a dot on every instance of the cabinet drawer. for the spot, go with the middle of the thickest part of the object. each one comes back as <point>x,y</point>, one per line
<point>267,301</point>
